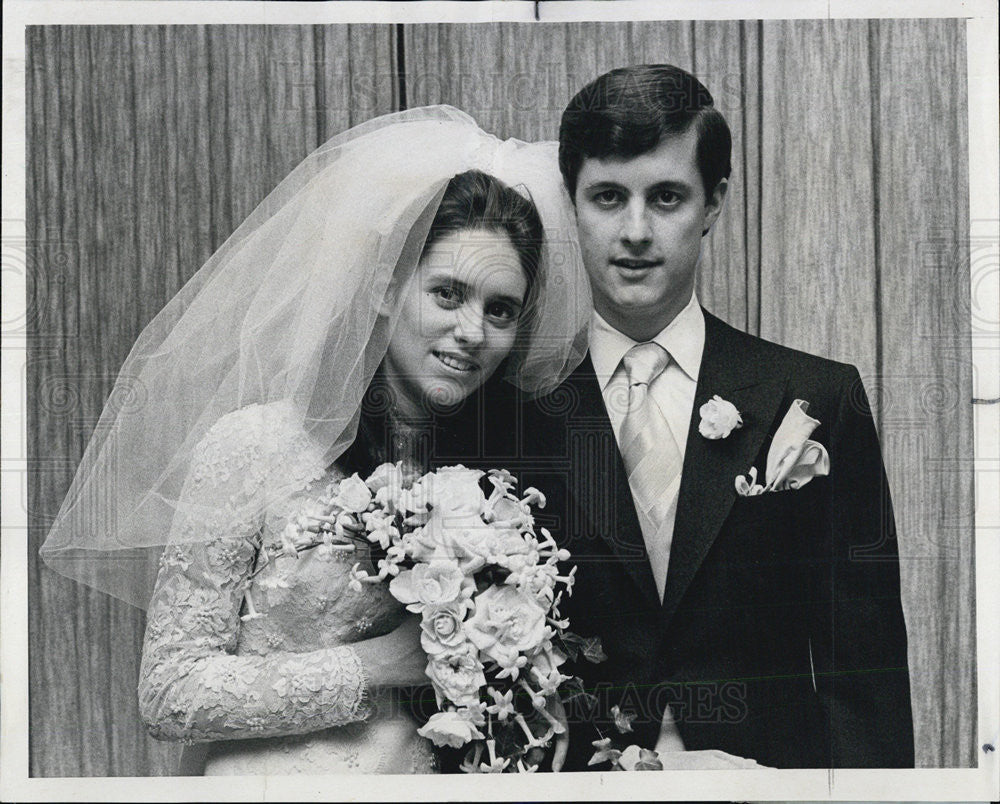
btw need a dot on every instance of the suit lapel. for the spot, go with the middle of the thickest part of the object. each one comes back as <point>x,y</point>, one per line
<point>620,526</point>
<point>732,369</point>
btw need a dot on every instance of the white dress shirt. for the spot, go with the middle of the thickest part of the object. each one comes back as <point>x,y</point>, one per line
<point>673,393</point>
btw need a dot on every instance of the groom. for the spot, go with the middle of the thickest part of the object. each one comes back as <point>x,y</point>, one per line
<point>766,625</point>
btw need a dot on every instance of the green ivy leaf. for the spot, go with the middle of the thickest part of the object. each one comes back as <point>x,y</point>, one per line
<point>623,720</point>
<point>593,651</point>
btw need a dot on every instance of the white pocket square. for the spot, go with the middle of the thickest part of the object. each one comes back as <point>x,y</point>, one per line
<point>793,459</point>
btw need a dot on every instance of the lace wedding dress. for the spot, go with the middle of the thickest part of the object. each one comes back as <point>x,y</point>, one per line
<point>257,659</point>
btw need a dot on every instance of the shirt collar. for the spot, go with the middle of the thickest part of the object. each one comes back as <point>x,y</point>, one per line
<point>683,338</point>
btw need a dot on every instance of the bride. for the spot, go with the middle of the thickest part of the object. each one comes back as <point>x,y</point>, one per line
<point>376,306</point>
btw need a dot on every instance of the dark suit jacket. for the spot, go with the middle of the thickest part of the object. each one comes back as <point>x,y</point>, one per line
<point>781,636</point>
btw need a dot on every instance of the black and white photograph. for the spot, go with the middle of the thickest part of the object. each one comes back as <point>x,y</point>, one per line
<point>397,395</point>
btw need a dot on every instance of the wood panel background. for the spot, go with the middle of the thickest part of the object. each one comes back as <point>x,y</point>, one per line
<point>845,234</point>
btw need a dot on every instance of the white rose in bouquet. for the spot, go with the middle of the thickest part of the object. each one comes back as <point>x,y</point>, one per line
<point>441,627</point>
<point>457,675</point>
<point>453,729</point>
<point>386,474</point>
<point>505,623</point>
<point>455,538</point>
<point>354,495</point>
<point>449,502</point>
<point>455,490</point>
<point>386,483</point>
<point>451,490</point>
<point>454,529</point>
<point>434,584</point>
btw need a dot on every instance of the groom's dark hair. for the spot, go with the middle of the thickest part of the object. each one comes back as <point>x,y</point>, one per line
<point>628,111</point>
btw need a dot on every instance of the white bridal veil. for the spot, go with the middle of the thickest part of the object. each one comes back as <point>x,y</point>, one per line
<point>288,309</point>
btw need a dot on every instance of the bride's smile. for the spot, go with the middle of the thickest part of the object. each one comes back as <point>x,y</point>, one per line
<point>457,362</point>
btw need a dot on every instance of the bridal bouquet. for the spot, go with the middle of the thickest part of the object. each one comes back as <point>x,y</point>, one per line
<point>487,588</point>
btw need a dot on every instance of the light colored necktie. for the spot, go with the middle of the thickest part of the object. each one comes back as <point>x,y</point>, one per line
<point>653,462</point>
<point>649,450</point>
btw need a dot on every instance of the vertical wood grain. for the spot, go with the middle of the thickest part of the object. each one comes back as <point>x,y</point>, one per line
<point>923,258</point>
<point>148,145</point>
<point>510,78</point>
<point>516,78</point>
<point>750,157</point>
<point>725,60</point>
<point>817,233</point>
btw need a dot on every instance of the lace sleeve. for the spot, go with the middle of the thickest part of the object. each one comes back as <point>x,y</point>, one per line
<point>191,686</point>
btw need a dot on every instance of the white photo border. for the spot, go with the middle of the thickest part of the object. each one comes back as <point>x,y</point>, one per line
<point>972,784</point>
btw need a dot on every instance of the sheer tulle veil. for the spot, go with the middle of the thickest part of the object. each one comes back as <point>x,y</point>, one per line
<point>293,308</point>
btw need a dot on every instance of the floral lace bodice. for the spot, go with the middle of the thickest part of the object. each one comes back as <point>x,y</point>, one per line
<point>236,650</point>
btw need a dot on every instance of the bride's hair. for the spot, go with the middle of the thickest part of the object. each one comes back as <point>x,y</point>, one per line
<point>476,200</point>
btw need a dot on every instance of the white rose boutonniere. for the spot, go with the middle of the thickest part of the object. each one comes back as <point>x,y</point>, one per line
<point>718,418</point>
